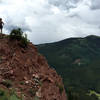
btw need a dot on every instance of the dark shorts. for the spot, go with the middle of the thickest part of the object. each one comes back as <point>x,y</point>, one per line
<point>1,26</point>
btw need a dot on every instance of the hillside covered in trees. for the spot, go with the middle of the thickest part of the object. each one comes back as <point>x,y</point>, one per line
<point>77,60</point>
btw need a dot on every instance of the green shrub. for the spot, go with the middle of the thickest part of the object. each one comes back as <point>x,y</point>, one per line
<point>61,88</point>
<point>32,92</point>
<point>24,41</point>
<point>36,98</point>
<point>8,95</point>
<point>17,34</point>
<point>7,83</point>
<point>4,95</point>
<point>1,92</point>
<point>14,97</point>
<point>22,82</point>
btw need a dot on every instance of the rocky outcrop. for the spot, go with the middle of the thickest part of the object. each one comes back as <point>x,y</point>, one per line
<point>28,72</point>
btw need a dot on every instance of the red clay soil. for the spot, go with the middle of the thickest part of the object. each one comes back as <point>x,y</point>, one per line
<point>28,71</point>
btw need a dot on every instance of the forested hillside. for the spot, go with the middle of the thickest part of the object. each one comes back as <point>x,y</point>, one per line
<point>77,60</point>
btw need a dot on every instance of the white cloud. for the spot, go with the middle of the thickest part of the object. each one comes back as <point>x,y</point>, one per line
<point>51,20</point>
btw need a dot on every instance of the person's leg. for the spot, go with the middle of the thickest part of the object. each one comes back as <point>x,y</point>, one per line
<point>1,30</point>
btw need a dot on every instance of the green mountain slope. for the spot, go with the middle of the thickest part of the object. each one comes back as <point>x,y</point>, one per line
<point>77,60</point>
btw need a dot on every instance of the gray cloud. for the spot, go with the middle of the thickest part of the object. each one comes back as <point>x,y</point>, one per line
<point>95,4</point>
<point>51,20</point>
<point>65,4</point>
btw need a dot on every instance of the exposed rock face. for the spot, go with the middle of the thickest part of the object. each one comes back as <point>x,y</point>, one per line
<point>29,72</point>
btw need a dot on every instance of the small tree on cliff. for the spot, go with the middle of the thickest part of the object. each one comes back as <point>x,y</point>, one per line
<point>17,34</point>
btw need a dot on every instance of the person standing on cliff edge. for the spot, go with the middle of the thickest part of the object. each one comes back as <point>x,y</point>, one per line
<point>1,25</point>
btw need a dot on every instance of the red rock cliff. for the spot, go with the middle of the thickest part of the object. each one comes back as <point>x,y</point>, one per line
<point>29,72</point>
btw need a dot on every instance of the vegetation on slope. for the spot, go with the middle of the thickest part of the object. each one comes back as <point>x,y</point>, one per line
<point>17,34</point>
<point>11,95</point>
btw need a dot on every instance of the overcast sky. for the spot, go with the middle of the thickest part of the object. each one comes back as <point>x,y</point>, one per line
<point>51,20</point>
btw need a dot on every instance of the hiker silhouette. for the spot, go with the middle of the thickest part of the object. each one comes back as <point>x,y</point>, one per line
<point>1,24</point>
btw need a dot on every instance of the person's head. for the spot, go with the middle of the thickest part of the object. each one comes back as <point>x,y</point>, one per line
<point>0,19</point>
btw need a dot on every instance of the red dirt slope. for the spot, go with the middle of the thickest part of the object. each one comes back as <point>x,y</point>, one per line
<point>28,71</point>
